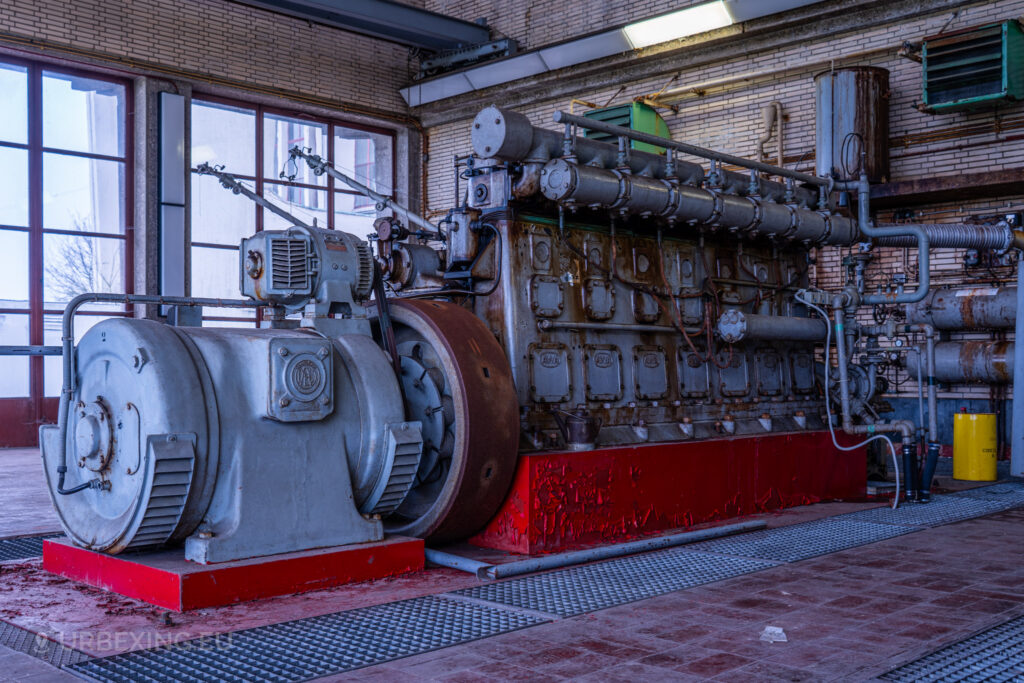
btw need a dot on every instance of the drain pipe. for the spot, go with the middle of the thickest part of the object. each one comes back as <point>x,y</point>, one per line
<point>501,571</point>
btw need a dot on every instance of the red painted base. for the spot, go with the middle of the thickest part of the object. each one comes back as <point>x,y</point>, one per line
<point>566,500</point>
<point>166,579</point>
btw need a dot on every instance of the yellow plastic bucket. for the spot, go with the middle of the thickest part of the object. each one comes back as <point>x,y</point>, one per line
<point>974,446</point>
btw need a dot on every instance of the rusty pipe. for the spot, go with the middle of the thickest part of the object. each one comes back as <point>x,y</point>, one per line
<point>971,308</point>
<point>968,362</point>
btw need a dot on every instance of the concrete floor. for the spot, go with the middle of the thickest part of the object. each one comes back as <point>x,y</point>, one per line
<point>25,500</point>
<point>848,616</point>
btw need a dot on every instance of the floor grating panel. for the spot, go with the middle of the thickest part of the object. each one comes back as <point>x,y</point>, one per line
<point>591,587</point>
<point>49,651</point>
<point>1008,494</point>
<point>803,541</point>
<point>314,647</point>
<point>993,655</point>
<point>22,548</point>
<point>941,510</point>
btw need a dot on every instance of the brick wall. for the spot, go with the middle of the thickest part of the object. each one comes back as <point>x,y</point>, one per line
<point>222,39</point>
<point>536,23</point>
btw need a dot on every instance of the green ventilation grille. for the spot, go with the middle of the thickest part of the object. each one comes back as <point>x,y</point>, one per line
<point>974,68</point>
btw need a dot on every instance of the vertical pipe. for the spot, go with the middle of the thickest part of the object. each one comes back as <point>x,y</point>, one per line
<point>1017,436</point>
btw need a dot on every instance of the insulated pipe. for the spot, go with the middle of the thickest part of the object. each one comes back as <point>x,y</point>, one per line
<point>501,571</point>
<point>966,362</point>
<point>976,308</point>
<point>999,237</point>
<point>580,185</point>
<point>509,136</point>
<point>735,326</point>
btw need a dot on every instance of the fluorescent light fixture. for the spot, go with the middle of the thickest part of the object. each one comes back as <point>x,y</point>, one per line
<point>685,22</point>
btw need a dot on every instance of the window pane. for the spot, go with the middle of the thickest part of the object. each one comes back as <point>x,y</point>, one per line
<point>367,157</point>
<point>13,369</point>
<point>354,213</point>
<point>53,369</point>
<point>83,114</point>
<point>224,135</point>
<point>13,269</point>
<point>302,202</point>
<point>83,194</point>
<point>75,264</point>
<point>13,184</point>
<point>218,215</point>
<point>215,276</point>
<point>14,103</point>
<point>280,134</point>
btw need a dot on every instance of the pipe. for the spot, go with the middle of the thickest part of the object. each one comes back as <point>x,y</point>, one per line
<point>501,571</point>
<point>966,362</point>
<point>998,237</point>
<point>904,427</point>
<point>686,148</point>
<point>771,115</point>
<point>509,136</point>
<point>975,308</point>
<point>735,326</point>
<point>929,334</point>
<point>1017,437</point>
<point>577,184</point>
<point>68,344</point>
<point>546,325</point>
<point>868,229</point>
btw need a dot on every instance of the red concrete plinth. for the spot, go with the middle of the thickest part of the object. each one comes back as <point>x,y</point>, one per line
<point>567,500</point>
<point>165,578</point>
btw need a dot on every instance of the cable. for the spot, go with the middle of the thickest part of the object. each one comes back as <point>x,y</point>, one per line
<point>828,405</point>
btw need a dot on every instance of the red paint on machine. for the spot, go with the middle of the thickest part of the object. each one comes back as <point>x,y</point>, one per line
<point>164,578</point>
<point>567,500</point>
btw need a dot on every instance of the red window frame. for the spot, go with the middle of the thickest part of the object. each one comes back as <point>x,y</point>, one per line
<point>20,417</point>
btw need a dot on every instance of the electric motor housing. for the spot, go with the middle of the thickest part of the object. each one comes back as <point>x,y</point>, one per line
<point>240,442</point>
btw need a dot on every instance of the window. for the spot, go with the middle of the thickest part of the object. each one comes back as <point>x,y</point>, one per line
<point>252,143</point>
<point>65,203</point>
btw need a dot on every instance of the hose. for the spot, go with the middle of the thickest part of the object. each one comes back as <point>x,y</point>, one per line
<point>828,406</point>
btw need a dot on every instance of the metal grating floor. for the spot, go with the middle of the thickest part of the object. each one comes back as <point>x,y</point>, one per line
<point>943,509</point>
<point>49,651</point>
<point>1008,494</point>
<point>591,587</point>
<point>993,655</point>
<point>311,648</point>
<point>22,548</point>
<point>803,541</point>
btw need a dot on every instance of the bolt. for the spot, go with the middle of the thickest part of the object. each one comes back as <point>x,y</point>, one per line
<point>284,401</point>
<point>321,352</point>
<point>324,400</point>
<point>172,437</point>
<point>282,352</point>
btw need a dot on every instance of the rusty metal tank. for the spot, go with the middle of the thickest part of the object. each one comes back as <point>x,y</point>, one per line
<point>852,114</point>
